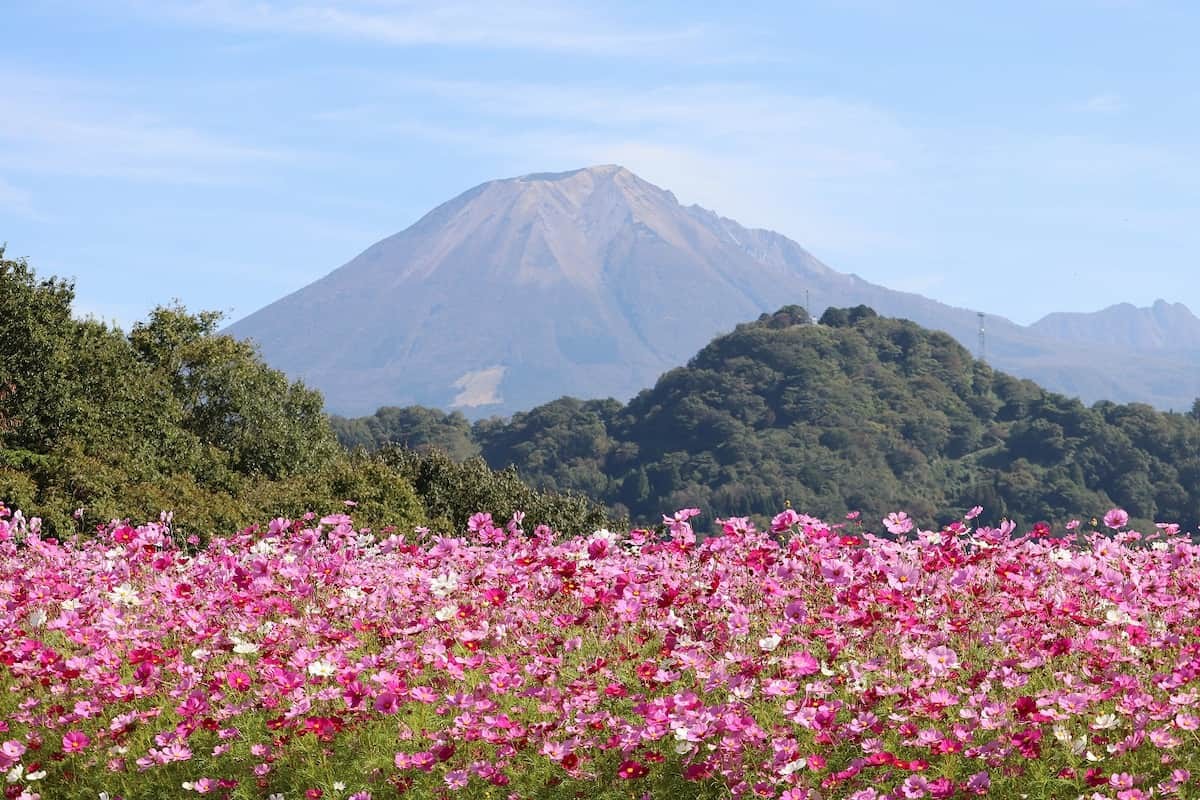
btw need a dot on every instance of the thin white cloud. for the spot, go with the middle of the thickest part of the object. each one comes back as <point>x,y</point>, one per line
<point>66,127</point>
<point>540,25</point>
<point>1104,103</point>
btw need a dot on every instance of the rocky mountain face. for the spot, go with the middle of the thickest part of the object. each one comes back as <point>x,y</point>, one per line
<point>593,282</point>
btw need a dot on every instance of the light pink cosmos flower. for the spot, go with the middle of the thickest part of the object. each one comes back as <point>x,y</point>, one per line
<point>1116,518</point>
<point>12,749</point>
<point>941,660</point>
<point>1121,780</point>
<point>897,523</point>
<point>979,783</point>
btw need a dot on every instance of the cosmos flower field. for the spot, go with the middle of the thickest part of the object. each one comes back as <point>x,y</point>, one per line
<point>308,659</point>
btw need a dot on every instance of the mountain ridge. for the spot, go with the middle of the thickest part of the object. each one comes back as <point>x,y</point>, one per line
<point>1162,326</point>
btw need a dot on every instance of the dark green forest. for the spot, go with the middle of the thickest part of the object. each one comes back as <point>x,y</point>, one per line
<point>99,424</point>
<point>858,412</point>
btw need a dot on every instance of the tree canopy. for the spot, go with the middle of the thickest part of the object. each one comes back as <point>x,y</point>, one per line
<point>97,424</point>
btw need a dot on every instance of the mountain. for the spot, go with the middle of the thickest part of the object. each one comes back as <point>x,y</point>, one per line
<point>1164,327</point>
<point>861,413</point>
<point>592,283</point>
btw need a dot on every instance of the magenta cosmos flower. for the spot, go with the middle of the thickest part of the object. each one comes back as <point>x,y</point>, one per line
<point>1116,518</point>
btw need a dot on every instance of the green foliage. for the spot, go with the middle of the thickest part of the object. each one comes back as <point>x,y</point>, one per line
<point>857,413</point>
<point>261,422</point>
<point>172,417</point>
<point>451,491</point>
<point>416,427</point>
<point>35,328</point>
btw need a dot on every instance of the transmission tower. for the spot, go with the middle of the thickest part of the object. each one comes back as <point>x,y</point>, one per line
<point>982,339</point>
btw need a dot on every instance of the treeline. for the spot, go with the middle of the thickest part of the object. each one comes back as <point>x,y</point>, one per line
<point>97,424</point>
<point>856,413</point>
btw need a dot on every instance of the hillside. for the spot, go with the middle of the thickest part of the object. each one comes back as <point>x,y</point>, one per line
<point>594,282</point>
<point>860,413</point>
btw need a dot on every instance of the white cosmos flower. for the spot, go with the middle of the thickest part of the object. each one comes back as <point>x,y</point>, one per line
<point>769,643</point>
<point>124,595</point>
<point>446,613</point>
<point>262,547</point>
<point>321,669</point>
<point>793,766</point>
<point>1115,616</point>
<point>444,585</point>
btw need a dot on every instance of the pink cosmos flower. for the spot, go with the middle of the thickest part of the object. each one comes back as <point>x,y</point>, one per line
<point>1121,780</point>
<point>1116,518</point>
<point>898,523</point>
<point>457,779</point>
<point>979,783</point>
<point>387,703</point>
<point>75,741</point>
<point>781,522</point>
<point>941,660</point>
<point>238,680</point>
<point>914,787</point>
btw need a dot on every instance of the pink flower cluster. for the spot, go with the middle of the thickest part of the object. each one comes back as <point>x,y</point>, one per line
<point>809,660</point>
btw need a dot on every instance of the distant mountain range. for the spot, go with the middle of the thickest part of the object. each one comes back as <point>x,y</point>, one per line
<point>593,282</point>
<point>1162,328</point>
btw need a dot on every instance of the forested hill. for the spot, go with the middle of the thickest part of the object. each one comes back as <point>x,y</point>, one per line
<point>859,412</point>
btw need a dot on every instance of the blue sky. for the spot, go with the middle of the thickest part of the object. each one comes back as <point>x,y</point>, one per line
<point>1016,158</point>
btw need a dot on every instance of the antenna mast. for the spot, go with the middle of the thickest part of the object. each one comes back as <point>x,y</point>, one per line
<point>982,339</point>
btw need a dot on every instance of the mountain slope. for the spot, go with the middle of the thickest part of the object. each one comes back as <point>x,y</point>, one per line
<point>591,283</point>
<point>865,413</point>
